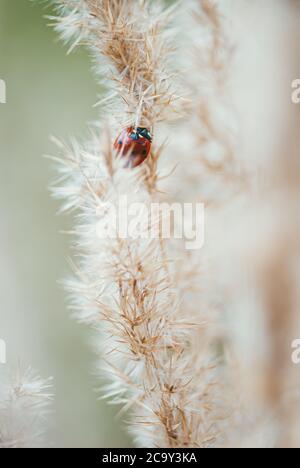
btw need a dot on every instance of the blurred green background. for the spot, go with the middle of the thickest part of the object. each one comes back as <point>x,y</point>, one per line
<point>48,93</point>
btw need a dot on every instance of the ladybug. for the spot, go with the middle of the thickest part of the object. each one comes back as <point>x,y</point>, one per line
<point>134,143</point>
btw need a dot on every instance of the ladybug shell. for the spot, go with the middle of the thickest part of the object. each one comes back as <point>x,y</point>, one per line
<point>133,144</point>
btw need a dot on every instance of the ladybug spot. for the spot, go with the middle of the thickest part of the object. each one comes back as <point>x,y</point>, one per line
<point>134,136</point>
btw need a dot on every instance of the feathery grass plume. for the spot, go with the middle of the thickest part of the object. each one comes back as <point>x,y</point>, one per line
<point>210,172</point>
<point>132,49</point>
<point>218,175</point>
<point>215,126</point>
<point>125,292</point>
<point>24,405</point>
<point>253,253</point>
<point>125,287</point>
<point>130,46</point>
<point>146,312</point>
<point>271,395</point>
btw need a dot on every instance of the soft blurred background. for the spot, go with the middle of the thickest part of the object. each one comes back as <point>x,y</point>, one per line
<point>48,93</point>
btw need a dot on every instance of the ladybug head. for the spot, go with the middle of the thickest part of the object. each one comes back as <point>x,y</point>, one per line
<point>144,132</point>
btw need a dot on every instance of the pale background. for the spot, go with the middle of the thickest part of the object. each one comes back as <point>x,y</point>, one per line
<point>50,93</point>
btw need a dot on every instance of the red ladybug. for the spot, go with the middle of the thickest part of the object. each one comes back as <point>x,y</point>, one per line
<point>134,143</point>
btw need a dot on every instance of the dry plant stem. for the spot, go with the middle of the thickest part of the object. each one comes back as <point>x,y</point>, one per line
<point>124,287</point>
